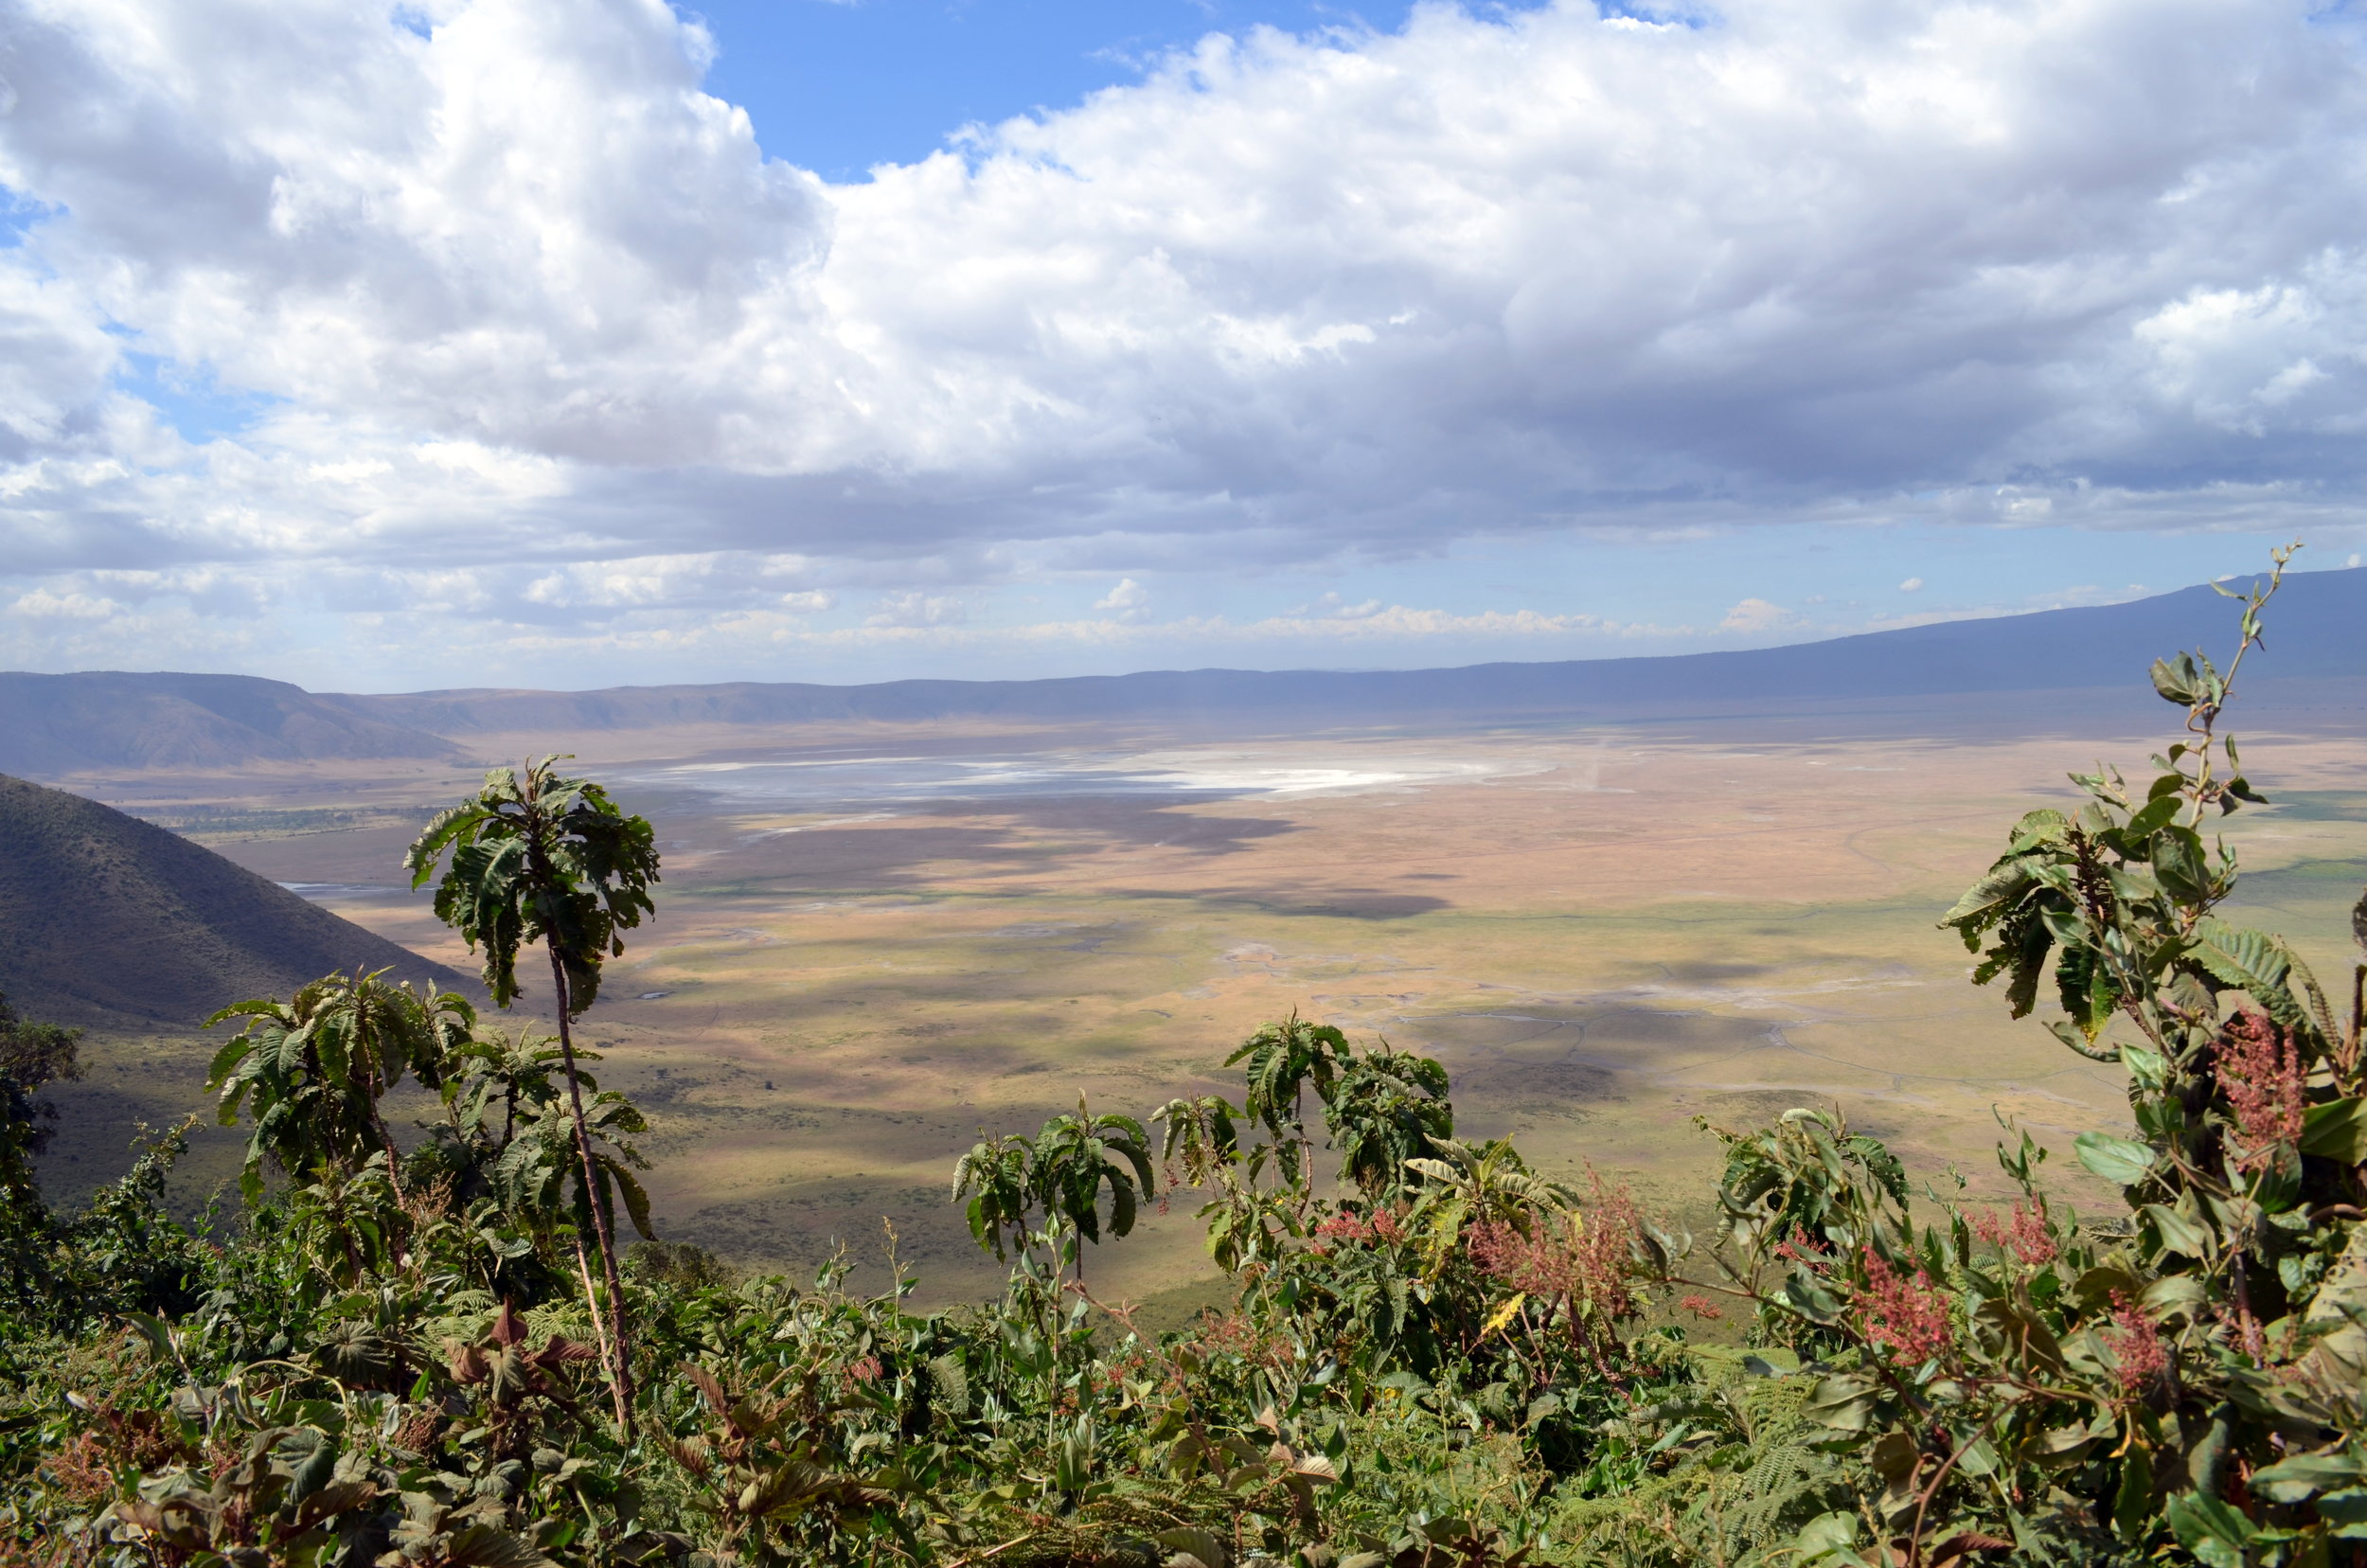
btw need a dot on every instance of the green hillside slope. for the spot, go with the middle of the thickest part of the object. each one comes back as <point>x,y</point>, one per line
<point>109,921</point>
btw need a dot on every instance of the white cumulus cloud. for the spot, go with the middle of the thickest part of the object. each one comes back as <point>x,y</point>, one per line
<point>1755,616</point>
<point>915,608</point>
<point>519,300</point>
<point>1130,600</point>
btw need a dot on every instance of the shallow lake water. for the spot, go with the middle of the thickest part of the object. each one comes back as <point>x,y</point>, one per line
<point>822,784</point>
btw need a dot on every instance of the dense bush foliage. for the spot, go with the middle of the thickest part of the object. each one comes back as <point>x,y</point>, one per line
<point>1433,1354</point>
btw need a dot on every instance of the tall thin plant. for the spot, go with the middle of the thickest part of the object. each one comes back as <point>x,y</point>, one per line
<point>541,858</point>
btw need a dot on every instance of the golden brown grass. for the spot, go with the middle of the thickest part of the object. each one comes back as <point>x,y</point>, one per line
<point>1629,928</point>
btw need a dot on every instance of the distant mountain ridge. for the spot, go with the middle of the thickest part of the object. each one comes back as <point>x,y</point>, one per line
<point>110,921</point>
<point>2318,629</point>
<point>55,725</point>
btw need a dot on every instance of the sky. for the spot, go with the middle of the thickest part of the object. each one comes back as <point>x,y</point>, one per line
<point>572,343</point>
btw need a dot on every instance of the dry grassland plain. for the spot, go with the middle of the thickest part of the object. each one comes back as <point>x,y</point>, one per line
<point>1604,931</point>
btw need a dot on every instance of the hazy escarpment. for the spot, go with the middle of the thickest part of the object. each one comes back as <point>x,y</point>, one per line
<point>54,726</point>
<point>2109,647</point>
<point>57,724</point>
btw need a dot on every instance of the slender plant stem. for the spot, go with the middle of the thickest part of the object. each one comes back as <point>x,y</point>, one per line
<point>591,1299</point>
<point>1914,1535</point>
<point>387,1141</point>
<point>620,1364</point>
<point>2358,1017</point>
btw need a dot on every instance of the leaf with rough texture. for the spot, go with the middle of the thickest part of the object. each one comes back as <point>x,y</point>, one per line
<point>2251,962</point>
<point>1990,898</point>
<point>484,1547</point>
<point>2023,946</point>
<point>2084,984</point>
<point>2132,1511</point>
<point>949,1385</point>
<point>1505,1313</point>
<point>636,1197</point>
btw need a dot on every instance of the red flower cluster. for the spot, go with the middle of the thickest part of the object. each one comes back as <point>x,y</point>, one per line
<point>1584,1259</point>
<point>1907,1315</point>
<point>2135,1342</point>
<point>2027,1237</point>
<point>1699,1307</point>
<point>1232,1334</point>
<point>866,1369</point>
<point>2260,1072</point>
<point>1535,1261</point>
<point>1359,1229</point>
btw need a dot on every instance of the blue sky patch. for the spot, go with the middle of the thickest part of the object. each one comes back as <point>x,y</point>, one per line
<point>837,87</point>
<point>18,214</point>
<point>191,401</point>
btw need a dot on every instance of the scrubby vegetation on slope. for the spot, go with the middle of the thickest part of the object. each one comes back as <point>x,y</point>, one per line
<point>1434,1354</point>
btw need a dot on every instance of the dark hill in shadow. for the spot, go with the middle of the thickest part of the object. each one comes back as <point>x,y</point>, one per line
<point>108,920</point>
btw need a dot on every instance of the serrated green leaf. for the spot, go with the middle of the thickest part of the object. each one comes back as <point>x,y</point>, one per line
<point>2251,962</point>
<point>1994,894</point>
<point>2084,985</point>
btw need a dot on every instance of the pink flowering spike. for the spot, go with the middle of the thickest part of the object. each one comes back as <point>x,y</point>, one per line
<point>2135,1340</point>
<point>2033,1237</point>
<point>2259,1070</point>
<point>2027,1237</point>
<point>1908,1316</point>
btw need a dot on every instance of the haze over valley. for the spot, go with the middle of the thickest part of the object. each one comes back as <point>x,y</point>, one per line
<point>1607,900</point>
